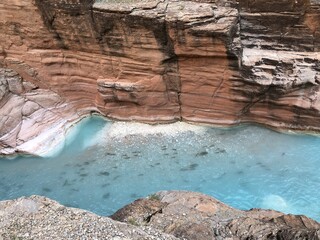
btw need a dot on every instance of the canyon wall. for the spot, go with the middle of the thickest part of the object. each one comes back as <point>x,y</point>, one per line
<point>219,62</point>
<point>280,60</point>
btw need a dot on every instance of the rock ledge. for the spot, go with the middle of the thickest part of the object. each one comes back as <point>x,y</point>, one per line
<point>165,215</point>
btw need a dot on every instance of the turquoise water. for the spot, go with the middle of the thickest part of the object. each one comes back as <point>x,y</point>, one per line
<point>105,166</point>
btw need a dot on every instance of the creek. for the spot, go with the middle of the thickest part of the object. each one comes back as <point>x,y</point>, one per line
<point>105,165</point>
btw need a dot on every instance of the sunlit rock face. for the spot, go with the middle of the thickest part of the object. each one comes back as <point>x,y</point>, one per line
<point>217,62</point>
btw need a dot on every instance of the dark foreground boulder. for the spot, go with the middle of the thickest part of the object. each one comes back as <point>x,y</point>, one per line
<point>196,216</point>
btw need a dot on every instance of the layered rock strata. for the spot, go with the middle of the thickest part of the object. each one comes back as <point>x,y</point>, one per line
<point>165,215</point>
<point>280,60</point>
<point>217,62</point>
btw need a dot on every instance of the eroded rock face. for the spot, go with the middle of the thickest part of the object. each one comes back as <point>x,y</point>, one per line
<point>26,110</point>
<point>210,61</point>
<point>280,60</point>
<point>196,216</point>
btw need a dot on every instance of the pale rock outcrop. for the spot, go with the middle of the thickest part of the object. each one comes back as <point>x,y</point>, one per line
<point>38,217</point>
<point>25,111</point>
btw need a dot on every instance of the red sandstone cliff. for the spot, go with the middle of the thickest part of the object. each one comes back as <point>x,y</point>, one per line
<point>218,62</point>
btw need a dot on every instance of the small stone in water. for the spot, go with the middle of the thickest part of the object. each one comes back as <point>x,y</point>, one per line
<point>46,189</point>
<point>220,150</point>
<point>66,183</point>
<point>116,177</point>
<point>203,153</point>
<point>240,172</point>
<point>110,154</point>
<point>191,167</point>
<point>134,195</point>
<point>104,173</point>
<point>105,196</point>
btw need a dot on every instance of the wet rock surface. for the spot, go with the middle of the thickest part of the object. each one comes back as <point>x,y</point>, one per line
<point>221,62</point>
<point>191,215</point>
